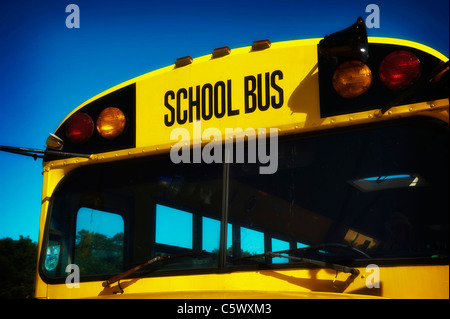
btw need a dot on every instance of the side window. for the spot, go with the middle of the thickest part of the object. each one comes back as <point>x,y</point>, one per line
<point>99,242</point>
<point>252,242</point>
<point>173,227</point>
<point>278,245</point>
<point>211,235</point>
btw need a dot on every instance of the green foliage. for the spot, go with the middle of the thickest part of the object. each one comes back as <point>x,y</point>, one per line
<point>243,253</point>
<point>98,254</point>
<point>17,268</point>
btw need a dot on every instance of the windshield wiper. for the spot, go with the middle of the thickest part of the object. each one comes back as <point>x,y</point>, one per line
<point>35,153</point>
<point>322,264</point>
<point>156,259</point>
<point>320,247</point>
<point>327,246</point>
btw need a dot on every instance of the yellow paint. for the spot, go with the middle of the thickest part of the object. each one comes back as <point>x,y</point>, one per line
<point>294,62</point>
<point>395,282</point>
<point>297,60</point>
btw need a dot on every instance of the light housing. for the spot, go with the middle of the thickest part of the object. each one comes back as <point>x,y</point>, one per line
<point>79,128</point>
<point>260,45</point>
<point>352,78</point>
<point>350,43</point>
<point>54,142</point>
<point>220,52</point>
<point>399,70</point>
<point>111,123</point>
<point>183,61</point>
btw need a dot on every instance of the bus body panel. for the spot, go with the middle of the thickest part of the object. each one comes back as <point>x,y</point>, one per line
<point>394,282</point>
<point>277,87</point>
<point>295,60</point>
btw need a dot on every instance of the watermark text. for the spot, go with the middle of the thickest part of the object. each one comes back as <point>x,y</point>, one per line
<point>212,151</point>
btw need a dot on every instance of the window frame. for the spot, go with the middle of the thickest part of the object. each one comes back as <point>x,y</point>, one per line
<point>223,265</point>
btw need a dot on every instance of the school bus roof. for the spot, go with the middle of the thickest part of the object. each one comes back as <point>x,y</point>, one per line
<point>273,87</point>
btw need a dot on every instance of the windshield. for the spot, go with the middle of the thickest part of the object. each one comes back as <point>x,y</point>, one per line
<point>382,192</point>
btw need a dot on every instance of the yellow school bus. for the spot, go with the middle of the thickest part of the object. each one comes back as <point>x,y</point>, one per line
<point>311,168</point>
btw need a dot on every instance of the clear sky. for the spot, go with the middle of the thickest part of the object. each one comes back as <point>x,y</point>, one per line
<point>47,69</point>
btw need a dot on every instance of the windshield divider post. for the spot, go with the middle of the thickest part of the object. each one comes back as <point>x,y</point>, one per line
<point>224,220</point>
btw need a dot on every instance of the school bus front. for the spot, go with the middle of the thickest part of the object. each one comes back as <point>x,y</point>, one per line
<point>280,170</point>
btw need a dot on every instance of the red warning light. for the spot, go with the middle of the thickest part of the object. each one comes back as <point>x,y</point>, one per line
<point>79,128</point>
<point>399,70</point>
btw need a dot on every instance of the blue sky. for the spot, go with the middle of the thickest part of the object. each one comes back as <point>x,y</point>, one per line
<point>46,69</point>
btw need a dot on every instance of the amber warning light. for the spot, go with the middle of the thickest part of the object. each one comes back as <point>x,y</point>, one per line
<point>352,78</point>
<point>111,123</point>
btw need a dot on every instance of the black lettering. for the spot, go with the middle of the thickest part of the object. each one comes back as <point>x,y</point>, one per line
<point>266,105</point>
<point>230,110</point>
<point>274,85</point>
<point>207,104</point>
<point>185,117</point>
<point>219,85</point>
<point>167,121</point>
<point>249,93</point>
<point>195,103</point>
